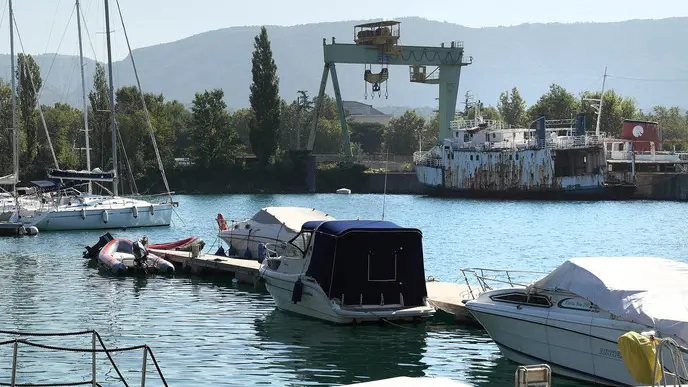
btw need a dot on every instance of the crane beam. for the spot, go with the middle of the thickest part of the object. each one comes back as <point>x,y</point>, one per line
<point>449,60</point>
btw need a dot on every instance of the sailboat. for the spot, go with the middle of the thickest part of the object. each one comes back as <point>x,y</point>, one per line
<point>13,226</point>
<point>83,211</point>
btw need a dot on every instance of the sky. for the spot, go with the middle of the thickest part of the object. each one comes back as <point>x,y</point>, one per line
<point>45,26</point>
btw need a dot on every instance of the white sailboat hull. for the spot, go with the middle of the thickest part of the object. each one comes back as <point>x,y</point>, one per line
<point>315,303</point>
<point>104,218</point>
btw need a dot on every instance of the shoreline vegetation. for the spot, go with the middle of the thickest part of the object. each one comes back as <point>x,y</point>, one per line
<point>259,149</point>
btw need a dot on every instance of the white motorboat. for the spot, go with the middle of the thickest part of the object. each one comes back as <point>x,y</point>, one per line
<point>351,271</point>
<point>572,318</point>
<point>274,225</point>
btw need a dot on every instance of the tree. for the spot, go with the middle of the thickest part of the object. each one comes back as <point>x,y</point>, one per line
<point>214,141</point>
<point>401,137</point>
<point>6,134</point>
<point>615,109</point>
<point>512,107</point>
<point>673,124</point>
<point>556,104</point>
<point>29,83</point>
<point>99,119</point>
<point>265,100</point>
<point>64,123</point>
<point>430,132</point>
<point>181,120</point>
<point>368,135</point>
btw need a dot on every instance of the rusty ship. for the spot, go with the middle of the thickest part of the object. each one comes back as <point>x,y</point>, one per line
<point>557,159</point>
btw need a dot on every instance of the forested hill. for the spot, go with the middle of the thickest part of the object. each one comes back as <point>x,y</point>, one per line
<point>529,56</point>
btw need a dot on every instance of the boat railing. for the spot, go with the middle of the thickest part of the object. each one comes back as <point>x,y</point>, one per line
<point>481,279</point>
<point>426,158</point>
<point>97,347</point>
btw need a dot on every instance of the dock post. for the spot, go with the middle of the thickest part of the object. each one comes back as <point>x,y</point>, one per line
<point>143,367</point>
<point>14,362</point>
<point>93,358</point>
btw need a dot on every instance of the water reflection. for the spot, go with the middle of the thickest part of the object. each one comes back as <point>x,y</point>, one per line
<point>322,353</point>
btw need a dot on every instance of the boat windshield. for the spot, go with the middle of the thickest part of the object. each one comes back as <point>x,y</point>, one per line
<point>302,241</point>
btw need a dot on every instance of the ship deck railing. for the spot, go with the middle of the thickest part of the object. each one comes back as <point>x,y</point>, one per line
<point>480,279</point>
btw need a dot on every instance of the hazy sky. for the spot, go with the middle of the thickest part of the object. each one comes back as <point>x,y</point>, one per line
<point>42,23</point>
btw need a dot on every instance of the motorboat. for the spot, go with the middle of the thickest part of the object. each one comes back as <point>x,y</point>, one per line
<point>573,317</point>
<point>351,271</point>
<point>122,256</point>
<point>273,225</point>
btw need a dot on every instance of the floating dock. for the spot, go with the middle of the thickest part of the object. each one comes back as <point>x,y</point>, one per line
<point>244,270</point>
<point>449,297</point>
<point>445,296</point>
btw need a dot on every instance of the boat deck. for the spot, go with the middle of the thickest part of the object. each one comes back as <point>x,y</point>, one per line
<point>448,297</point>
<point>405,381</point>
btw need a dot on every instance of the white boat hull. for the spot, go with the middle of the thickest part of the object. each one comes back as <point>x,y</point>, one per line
<point>103,218</point>
<point>241,242</point>
<point>315,303</point>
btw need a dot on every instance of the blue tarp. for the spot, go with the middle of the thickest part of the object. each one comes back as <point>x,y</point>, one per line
<point>340,227</point>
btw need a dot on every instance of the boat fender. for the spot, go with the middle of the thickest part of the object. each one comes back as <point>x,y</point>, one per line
<point>152,210</point>
<point>135,211</point>
<point>106,216</point>
<point>297,292</point>
<point>32,230</point>
<point>221,222</point>
<point>83,213</point>
<point>261,252</point>
<point>639,354</point>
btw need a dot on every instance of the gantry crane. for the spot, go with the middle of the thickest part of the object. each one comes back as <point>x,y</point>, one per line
<point>378,44</point>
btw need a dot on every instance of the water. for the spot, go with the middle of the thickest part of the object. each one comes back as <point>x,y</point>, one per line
<point>210,331</point>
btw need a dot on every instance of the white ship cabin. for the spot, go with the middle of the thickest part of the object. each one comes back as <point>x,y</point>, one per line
<point>495,135</point>
<point>622,158</point>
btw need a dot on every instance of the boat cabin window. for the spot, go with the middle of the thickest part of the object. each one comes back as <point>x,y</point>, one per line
<point>523,298</point>
<point>302,241</point>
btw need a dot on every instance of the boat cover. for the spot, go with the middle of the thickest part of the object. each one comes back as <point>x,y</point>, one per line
<point>646,290</point>
<point>291,217</point>
<point>8,180</point>
<point>95,175</point>
<point>368,262</point>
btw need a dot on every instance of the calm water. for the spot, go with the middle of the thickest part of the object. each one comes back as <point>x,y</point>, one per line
<point>210,331</point>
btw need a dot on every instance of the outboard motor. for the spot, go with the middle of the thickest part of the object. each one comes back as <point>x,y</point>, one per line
<point>140,254</point>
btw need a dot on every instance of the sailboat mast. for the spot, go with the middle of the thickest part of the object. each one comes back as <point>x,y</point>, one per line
<point>83,93</point>
<point>599,113</point>
<point>113,125</point>
<point>15,131</point>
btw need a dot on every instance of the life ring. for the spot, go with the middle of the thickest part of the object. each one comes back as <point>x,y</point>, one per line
<point>221,222</point>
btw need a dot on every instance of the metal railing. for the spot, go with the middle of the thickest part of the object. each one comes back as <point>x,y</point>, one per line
<point>97,346</point>
<point>427,158</point>
<point>508,278</point>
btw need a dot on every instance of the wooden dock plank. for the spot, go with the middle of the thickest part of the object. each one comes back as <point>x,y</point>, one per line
<point>244,270</point>
<point>449,297</point>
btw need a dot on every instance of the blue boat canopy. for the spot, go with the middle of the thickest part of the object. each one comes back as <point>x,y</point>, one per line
<point>341,227</point>
<point>95,175</point>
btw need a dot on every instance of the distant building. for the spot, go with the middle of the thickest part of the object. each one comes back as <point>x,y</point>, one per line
<point>360,112</point>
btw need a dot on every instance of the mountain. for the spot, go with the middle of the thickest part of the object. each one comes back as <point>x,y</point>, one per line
<point>528,56</point>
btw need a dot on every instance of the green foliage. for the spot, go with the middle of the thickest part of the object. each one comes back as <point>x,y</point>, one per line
<point>214,142</point>
<point>181,120</point>
<point>99,121</point>
<point>673,124</point>
<point>488,113</point>
<point>241,119</point>
<point>512,107</point>
<point>402,134</point>
<point>64,123</point>
<point>368,135</point>
<point>615,109</point>
<point>556,104</point>
<point>29,83</point>
<point>6,163</point>
<point>431,132</point>
<point>265,100</point>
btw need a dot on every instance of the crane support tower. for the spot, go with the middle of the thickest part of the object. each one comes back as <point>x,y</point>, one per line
<point>378,44</point>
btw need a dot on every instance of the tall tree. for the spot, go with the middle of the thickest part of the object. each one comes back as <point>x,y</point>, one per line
<point>401,137</point>
<point>5,128</point>
<point>512,107</point>
<point>215,142</point>
<point>556,104</point>
<point>265,100</point>
<point>29,83</point>
<point>100,119</point>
